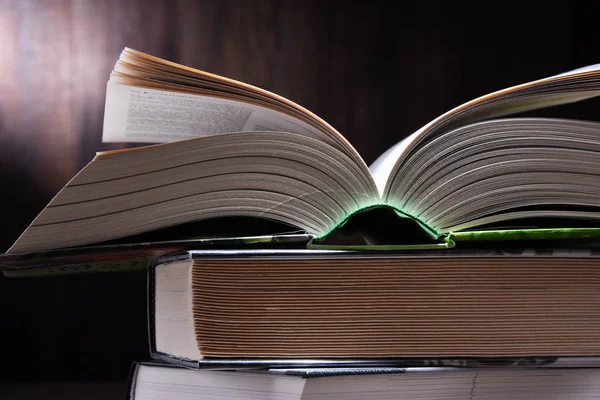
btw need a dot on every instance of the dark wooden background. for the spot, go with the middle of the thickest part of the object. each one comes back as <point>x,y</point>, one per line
<point>375,73</point>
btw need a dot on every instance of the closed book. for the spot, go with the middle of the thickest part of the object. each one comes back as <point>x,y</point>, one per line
<point>277,306</point>
<point>155,380</point>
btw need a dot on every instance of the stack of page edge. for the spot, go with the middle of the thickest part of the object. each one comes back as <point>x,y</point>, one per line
<point>476,325</point>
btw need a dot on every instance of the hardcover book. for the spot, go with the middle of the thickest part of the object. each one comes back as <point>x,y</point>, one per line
<point>155,380</point>
<point>213,307</point>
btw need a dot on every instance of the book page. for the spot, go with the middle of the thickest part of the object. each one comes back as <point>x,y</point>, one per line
<point>205,94</point>
<point>382,166</point>
<point>501,172</point>
<point>569,87</point>
<point>156,382</point>
<point>136,114</point>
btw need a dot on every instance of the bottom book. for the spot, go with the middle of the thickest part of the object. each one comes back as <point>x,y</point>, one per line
<point>163,381</point>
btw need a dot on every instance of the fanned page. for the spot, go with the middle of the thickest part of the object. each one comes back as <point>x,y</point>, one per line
<point>296,180</point>
<point>503,170</point>
<point>151,100</point>
<point>569,87</point>
<point>471,170</point>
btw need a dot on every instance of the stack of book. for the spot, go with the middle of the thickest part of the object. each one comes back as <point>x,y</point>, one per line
<point>463,263</point>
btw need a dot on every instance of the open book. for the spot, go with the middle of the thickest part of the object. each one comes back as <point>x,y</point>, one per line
<point>239,151</point>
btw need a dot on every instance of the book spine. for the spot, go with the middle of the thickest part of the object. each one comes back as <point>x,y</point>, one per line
<point>150,301</point>
<point>131,381</point>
